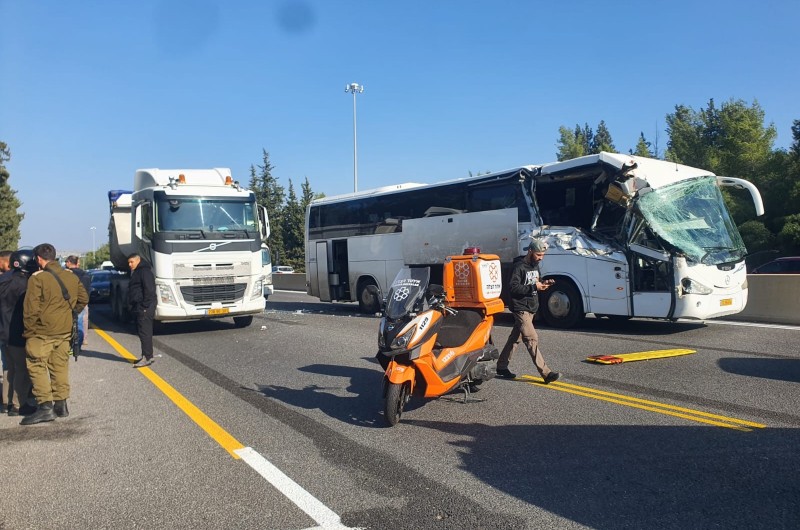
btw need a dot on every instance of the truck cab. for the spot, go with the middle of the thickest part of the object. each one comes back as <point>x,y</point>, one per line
<point>203,235</point>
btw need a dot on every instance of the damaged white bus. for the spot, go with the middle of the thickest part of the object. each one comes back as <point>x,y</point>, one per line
<point>629,236</point>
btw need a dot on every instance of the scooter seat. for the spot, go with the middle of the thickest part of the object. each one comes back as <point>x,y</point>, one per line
<point>456,329</point>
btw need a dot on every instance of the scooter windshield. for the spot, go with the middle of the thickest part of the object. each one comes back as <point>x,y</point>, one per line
<point>407,288</point>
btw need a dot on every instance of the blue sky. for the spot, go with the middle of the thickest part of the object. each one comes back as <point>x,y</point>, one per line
<point>92,90</point>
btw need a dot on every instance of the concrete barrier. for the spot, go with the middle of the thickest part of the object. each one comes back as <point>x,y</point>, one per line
<point>289,282</point>
<point>773,298</point>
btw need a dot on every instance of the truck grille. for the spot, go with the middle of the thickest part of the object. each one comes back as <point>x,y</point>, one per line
<point>205,294</point>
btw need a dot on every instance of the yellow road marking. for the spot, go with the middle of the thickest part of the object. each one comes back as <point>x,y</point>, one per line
<point>644,404</point>
<point>228,442</point>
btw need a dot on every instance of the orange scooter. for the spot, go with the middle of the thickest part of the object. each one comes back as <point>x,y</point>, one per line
<point>434,339</point>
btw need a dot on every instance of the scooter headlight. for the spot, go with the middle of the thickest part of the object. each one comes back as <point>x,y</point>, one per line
<point>403,340</point>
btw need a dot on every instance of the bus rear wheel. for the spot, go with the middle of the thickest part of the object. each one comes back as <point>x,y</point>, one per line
<point>368,302</point>
<point>561,305</point>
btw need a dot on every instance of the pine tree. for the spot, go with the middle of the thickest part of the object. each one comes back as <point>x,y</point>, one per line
<point>271,195</point>
<point>642,147</point>
<point>602,141</point>
<point>571,144</point>
<point>293,231</point>
<point>10,217</point>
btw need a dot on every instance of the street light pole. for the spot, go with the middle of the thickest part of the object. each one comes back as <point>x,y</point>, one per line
<point>94,247</point>
<point>354,88</point>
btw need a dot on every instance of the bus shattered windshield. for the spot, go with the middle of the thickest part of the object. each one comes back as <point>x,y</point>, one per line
<point>691,216</point>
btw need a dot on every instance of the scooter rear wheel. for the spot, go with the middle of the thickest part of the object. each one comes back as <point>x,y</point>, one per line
<point>396,397</point>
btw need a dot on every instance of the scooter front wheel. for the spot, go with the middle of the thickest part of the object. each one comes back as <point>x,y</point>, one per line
<point>396,398</point>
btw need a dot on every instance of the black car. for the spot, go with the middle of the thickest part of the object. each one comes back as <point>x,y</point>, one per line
<point>101,286</point>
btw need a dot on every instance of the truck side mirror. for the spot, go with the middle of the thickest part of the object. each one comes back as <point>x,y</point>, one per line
<point>263,218</point>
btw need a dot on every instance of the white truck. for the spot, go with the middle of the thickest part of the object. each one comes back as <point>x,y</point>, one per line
<point>204,236</point>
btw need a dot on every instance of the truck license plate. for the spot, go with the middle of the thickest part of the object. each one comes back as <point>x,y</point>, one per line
<point>220,311</point>
<point>726,301</point>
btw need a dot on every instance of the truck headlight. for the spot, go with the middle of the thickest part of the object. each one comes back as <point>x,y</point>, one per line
<point>258,288</point>
<point>165,295</point>
<point>691,286</point>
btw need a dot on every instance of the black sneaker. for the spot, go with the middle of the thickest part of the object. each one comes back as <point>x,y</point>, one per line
<point>505,373</point>
<point>552,376</point>
<point>141,363</point>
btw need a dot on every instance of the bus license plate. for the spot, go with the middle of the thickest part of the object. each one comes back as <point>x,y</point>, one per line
<point>726,301</point>
<point>220,311</point>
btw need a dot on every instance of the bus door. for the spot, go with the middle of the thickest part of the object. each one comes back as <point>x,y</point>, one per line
<point>338,275</point>
<point>652,283</point>
<point>608,287</point>
<point>318,268</point>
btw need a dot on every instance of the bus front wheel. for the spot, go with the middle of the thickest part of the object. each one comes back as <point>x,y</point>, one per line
<point>561,305</point>
<point>368,302</point>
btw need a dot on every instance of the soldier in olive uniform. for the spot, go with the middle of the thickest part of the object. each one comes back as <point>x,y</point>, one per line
<point>47,315</point>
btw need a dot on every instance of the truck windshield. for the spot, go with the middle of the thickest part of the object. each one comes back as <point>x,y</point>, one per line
<point>691,216</point>
<point>212,215</point>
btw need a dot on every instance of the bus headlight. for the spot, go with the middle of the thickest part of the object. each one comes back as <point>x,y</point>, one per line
<point>691,286</point>
<point>165,295</point>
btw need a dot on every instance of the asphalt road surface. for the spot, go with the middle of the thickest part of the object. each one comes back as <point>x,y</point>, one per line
<point>280,425</point>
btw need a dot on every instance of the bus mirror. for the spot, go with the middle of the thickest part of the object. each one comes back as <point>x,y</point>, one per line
<point>741,184</point>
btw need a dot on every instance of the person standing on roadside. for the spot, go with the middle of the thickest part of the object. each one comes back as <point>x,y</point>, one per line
<point>524,287</point>
<point>5,259</point>
<point>53,295</point>
<point>142,301</point>
<point>12,298</point>
<point>5,401</point>
<point>73,264</point>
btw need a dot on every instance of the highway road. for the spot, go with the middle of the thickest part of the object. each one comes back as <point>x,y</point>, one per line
<point>279,425</point>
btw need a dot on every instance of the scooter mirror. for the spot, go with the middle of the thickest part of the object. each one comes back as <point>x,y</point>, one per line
<point>435,290</point>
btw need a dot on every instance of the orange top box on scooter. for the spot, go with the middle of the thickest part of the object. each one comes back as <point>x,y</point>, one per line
<point>473,281</point>
<point>434,339</point>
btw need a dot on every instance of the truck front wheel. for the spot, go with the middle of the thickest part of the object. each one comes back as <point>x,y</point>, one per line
<point>243,322</point>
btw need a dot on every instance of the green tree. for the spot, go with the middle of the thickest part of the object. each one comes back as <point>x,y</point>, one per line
<point>756,236</point>
<point>571,144</point>
<point>293,231</point>
<point>789,236</point>
<point>731,140</point>
<point>93,261</point>
<point>582,141</point>
<point>601,141</point>
<point>642,147</point>
<point>10,217</point>
<point>271,194</point>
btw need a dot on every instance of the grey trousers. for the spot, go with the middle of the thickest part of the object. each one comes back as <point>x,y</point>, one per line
<point>523,331</point>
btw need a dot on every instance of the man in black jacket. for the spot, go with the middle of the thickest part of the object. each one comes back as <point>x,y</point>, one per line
<point>142,301</point>
<point>12,297</point>
<point>524,288</point>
